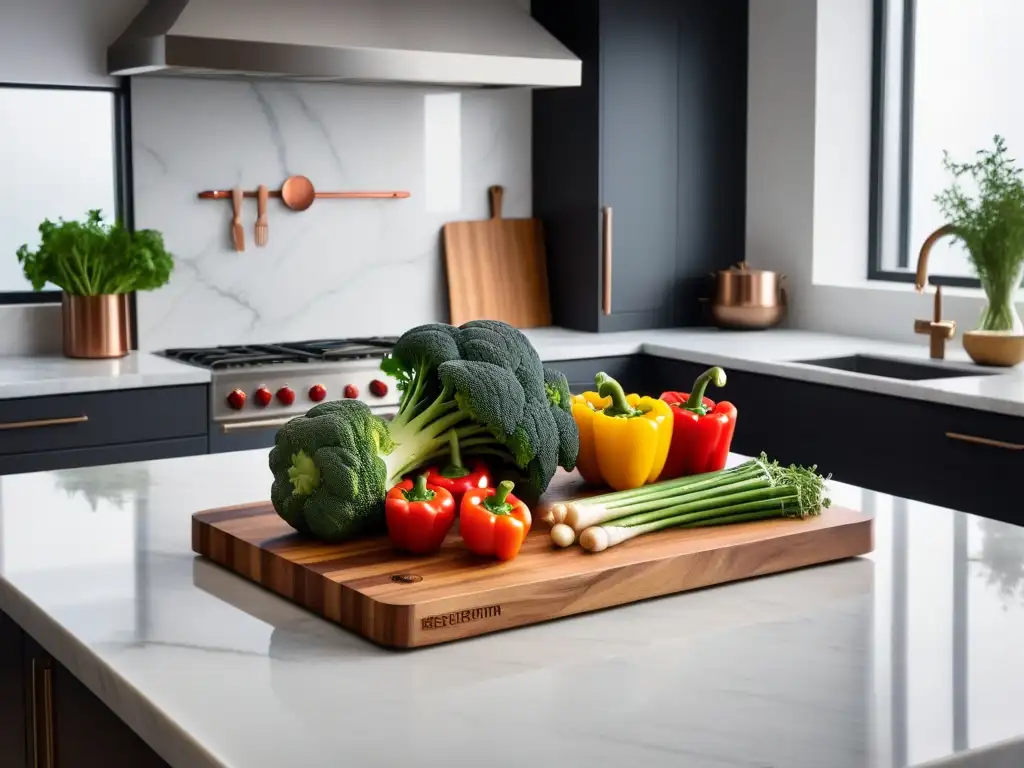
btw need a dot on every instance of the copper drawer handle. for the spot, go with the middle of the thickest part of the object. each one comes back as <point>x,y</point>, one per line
<point>48,749</point>
<point>242,426</point>
<point>34,682</point>
<point>606,256</point>
<point>985,441</point>
<point>42,748</point>
<point>44,422</point>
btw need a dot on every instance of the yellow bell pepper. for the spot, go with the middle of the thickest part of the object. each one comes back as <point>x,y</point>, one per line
<point>624,440</point>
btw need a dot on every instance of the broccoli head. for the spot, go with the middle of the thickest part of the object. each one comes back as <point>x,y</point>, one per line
<point>481,385</point>
<point>329,474</point>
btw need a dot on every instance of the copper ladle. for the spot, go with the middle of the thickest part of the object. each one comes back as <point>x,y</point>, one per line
<point>298,193</point>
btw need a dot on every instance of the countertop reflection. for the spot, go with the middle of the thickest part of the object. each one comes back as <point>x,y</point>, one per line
<point>906,656</point>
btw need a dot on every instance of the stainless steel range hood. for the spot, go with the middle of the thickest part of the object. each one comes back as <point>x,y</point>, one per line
<point>481,43</point>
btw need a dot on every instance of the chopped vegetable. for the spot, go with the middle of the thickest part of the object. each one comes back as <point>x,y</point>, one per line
<point>419,515</point>
<point>454,476</point>
<point>623,440</point>
<point>756,490</point>
<point>493,522</point>
<point>482,381</point>
<point>701,430</point>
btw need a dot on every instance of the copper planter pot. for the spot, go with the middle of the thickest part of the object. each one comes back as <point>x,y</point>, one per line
<point>95,327</point>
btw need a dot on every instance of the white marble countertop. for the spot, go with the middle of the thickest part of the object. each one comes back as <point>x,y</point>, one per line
<point>772,352</point>
<point>29,376</point>
<point>776,353</point>
<point>904,657</point>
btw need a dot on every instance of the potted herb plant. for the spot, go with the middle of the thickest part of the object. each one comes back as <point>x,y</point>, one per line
<point>96,265</point>
<point>989,220</point>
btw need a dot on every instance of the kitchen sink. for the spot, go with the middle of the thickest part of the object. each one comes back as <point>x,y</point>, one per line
<point>891,368</point>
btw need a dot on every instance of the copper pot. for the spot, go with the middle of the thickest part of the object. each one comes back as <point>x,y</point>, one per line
<point>748,298</point>
<point>95,326</point>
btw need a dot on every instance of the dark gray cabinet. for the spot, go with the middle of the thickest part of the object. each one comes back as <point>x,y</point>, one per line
<point>93,428</point>
<point>928,452</point>
<point>639,174</point>
<point>630,371</point>
<point>48,719</point>
<point>13,727</point>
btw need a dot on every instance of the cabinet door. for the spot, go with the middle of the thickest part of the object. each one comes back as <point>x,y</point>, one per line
<point>630,372</point>
<point>72,728</point>
<point>13,730</point>
<point>88,734</point>
<point>639,65</point>
<point>712,147</point>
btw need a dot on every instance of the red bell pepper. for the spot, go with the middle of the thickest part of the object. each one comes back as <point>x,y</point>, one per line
<point>419,516</point>
<point>701,430</point>
<point>493,522</point>
<point>457,478</point>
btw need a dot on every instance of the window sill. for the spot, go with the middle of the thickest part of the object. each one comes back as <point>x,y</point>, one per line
<point>890,286</point>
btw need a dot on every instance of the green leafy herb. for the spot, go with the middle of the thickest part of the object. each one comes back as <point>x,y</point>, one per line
<point>990,221</point>
<point>90,258</point>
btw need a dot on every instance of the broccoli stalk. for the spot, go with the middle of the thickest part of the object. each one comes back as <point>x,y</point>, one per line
<point>481,384</point>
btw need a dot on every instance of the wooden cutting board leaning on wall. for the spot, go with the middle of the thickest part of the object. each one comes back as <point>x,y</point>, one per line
<point>497,269</point>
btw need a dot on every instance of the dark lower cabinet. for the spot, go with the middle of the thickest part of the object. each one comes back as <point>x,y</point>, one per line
<point>937,454</point>
<point>48,719</point>
<point>13,727</point>
<point>631,371</point>
<point>94,428</point>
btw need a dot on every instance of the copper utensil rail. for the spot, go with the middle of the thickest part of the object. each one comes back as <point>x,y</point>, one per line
<point>225,194</point>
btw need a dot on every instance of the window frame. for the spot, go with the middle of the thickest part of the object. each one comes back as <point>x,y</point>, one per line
<point>881,60</point>
<point>122,173</point>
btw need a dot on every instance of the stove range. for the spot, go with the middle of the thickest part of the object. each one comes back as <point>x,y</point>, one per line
<point>255,388</point>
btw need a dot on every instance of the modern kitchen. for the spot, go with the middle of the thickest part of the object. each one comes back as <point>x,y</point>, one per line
<point>511,382</point>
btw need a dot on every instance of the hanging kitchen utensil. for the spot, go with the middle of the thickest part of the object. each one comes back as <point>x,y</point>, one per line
<point>497,269</point>
<point>262,229</point>
<point>299,191</point>
<point>237,230</point>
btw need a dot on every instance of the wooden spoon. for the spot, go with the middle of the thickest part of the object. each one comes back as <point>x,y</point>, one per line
<point>298,193</point>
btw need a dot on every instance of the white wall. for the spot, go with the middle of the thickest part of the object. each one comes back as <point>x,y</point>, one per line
<point>342,267</point>
<point>60,41</point>
<point>808,171</point>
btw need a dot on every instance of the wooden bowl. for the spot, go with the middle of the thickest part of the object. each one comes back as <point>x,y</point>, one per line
<point>994,347</point>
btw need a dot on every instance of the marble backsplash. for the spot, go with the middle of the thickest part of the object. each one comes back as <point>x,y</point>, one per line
<point>343,267</point>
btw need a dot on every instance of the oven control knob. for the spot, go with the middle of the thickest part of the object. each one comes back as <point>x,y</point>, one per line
<point>236,399</point>
<point>351,391</point>
<point>317,392</point>
<point>286,395</point>
<point>262,396</point>
<point>378,388</point>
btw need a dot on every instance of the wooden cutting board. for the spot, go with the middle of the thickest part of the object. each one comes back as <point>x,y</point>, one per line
<point>497,269</point>
<point>401,601</point>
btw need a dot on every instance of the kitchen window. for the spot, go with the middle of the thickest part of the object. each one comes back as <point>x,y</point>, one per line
<point>63,151</point>
<point>945,78</point>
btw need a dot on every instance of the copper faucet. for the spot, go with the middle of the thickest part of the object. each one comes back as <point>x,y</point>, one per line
<point>939,331</point>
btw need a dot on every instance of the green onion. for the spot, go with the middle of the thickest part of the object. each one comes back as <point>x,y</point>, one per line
<point>759,489</point>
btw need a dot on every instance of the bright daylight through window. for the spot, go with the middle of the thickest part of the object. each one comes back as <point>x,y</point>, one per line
<point>946,78</point>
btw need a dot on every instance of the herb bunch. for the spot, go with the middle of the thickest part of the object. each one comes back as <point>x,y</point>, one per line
<point>991,221</point>
<point>91,258</point>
